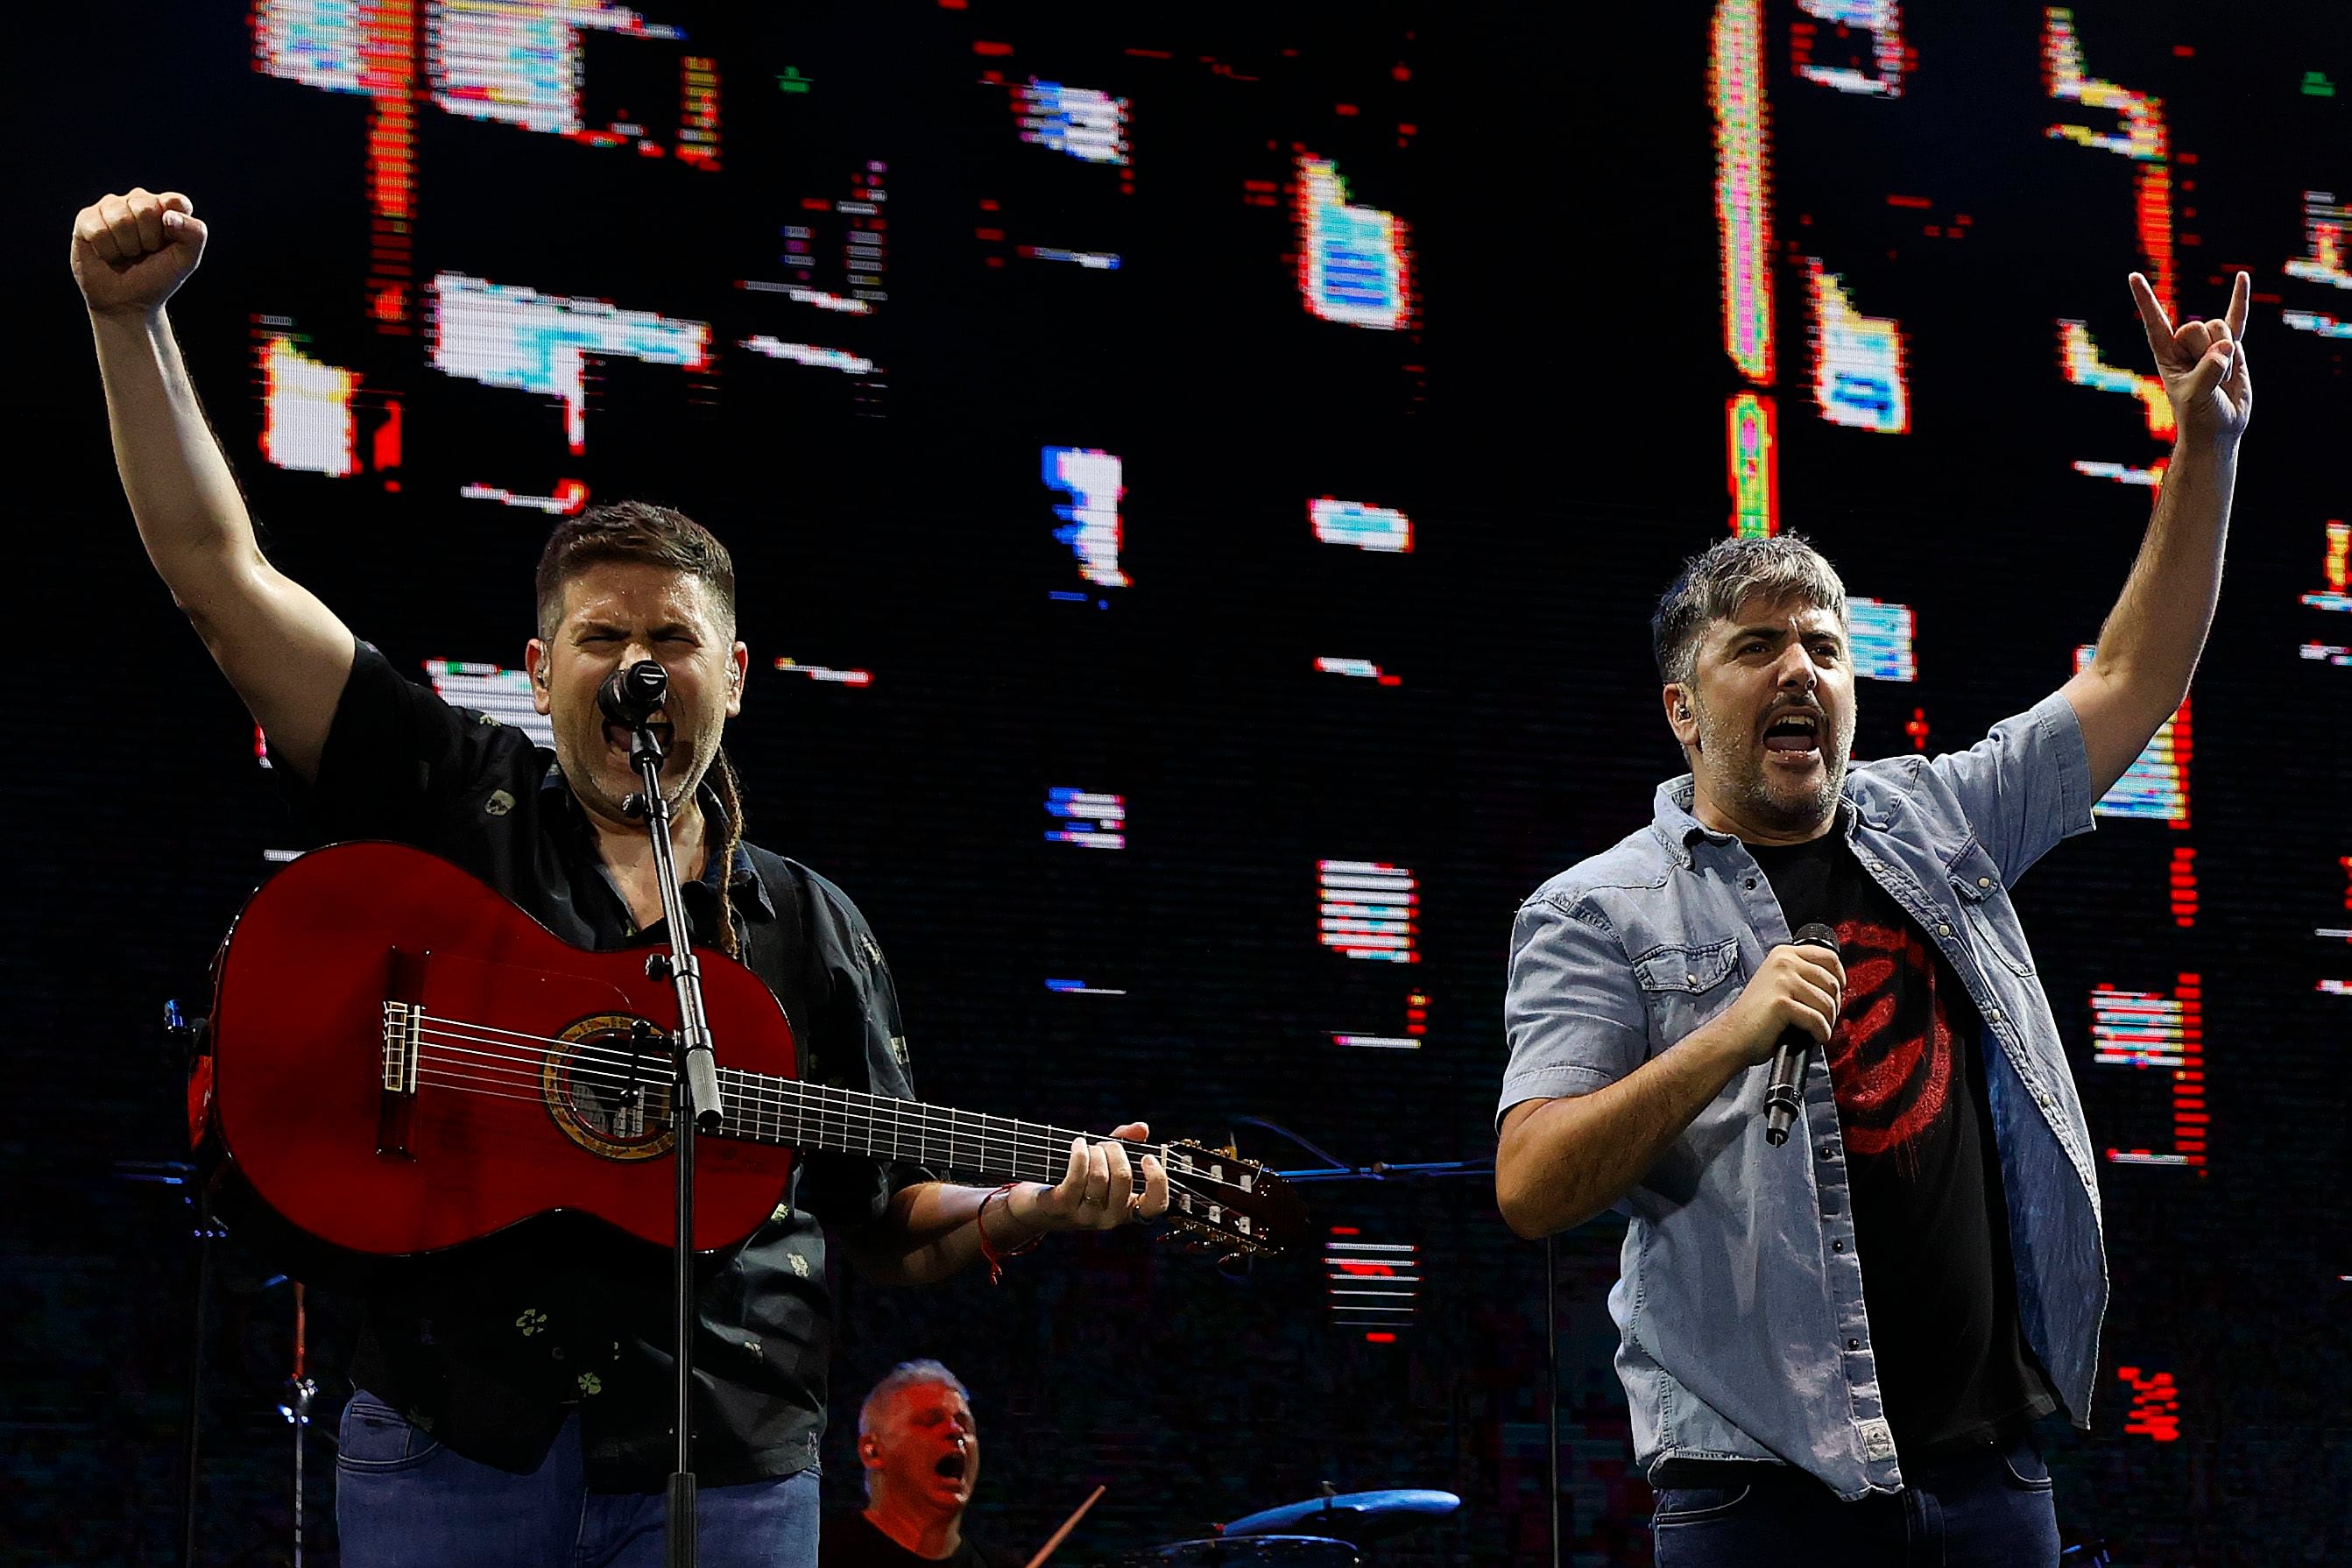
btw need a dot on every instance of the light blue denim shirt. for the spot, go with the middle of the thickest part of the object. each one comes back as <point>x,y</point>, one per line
<point>1738,1300</point>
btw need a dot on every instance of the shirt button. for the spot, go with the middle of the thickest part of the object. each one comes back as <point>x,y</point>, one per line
<point>1993,1013</point>
<point>1829,1150</point>
<point>1853,1344</point>
<point>1943,930</point>
<point>1877,1442</point>
<point>1837,1246</point>
<point>1751,884</point>
<point>1984,881</point>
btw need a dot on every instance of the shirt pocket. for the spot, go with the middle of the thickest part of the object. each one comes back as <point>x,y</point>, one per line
<point>1684,985</point>
<point>1991,919</point>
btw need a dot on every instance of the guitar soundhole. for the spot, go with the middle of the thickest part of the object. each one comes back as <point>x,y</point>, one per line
<point>608,1092</point>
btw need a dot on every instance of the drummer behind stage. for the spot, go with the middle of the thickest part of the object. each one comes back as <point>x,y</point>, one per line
<point>514,1405</point>
<point>1941,1168</point>
<point>920,1448</point>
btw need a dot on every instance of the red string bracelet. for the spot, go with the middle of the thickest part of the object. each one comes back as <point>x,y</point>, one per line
<point>987,1249</point>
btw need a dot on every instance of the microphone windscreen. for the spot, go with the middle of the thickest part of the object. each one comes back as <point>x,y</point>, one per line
<point>1816,934</point>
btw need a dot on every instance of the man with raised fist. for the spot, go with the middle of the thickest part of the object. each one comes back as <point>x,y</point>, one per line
<point>513,1402</point>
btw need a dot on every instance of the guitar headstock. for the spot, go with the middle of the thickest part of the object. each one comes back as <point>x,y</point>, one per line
<point>1219,1200</point>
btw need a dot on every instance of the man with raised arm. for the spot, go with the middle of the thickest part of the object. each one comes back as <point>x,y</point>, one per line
<point>1834,1349</point>
<point>514,1402</point>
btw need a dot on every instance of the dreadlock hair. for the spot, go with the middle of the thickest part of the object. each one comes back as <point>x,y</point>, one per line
<point>656,536</point>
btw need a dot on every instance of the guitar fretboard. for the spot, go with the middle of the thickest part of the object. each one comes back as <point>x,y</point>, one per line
<point>769,1109</point>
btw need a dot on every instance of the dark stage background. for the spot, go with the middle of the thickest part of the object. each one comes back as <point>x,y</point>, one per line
<point>1534,364</point>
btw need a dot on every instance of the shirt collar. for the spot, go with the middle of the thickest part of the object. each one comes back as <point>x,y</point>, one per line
<point>1675,825</point>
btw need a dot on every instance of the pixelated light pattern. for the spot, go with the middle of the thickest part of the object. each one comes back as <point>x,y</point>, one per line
<point>2183,884</point>
<point>501,334</point>
<point>1743,210</point>
<point>1755,466</point>
<point>1360,669</point>
<point>519,61</point>
<point>825,673</point>
<point>307,423</point>
<point>502,694</point>
<point>1416,1029</point>
<point>1082,121</point>
<point>1080,988</point>
<point>2139,137</point>
<point>1371,1282</point>
<point>1879,639</point>
<point>2325,223</point>
<point>1088,818</point>
<point>569,497</point>
<point>1375,528</point>
<point>365,47</point>
<point>2152,1031</point>
<point>2079,354</point>
<point>1369,910</point>
<point>1881,19</point>
<point>2156,785</point>
<point>1355,264</point>
<point>1094,482</point>
<point>2335,568</point>
<point>811,355</point>
<point>1092,260</point>
<point>1858,361</point>
<point>2154,1411</point>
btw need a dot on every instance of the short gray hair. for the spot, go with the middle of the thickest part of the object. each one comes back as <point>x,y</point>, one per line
<point>1719,579</point>
<point>907,1374</point>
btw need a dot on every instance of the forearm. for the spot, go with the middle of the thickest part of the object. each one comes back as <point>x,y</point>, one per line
<point>190,517</point>
<point>931,1230</point>
<point>1566,1159</point>
<point>2152,636</point>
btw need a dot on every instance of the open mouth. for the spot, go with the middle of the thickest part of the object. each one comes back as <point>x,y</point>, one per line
<point>950,1466</point>
<point>1794,737</point>
<point>621,739</point>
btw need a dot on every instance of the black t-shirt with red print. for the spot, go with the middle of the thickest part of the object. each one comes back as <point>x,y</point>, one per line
<point>1929,1217</point>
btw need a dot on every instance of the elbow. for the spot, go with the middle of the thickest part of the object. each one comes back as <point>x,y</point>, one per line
<point>1528,1206</point>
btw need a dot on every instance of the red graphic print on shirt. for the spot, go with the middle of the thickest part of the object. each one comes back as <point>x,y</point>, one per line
<point>1890,1057</point>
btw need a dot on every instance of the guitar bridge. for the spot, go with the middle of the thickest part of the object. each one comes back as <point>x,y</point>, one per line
<point>403,1027</point>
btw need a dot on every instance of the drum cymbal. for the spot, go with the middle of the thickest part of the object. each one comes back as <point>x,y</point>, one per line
<point>1351,1516</point>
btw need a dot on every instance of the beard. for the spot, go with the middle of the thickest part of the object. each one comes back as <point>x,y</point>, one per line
<point>1743,782</point>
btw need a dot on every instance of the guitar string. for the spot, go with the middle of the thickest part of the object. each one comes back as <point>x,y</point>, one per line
<point>1047,1141</point>
<point>511,1072</point>
<point>465,1084</point>
<point>779,1093</point>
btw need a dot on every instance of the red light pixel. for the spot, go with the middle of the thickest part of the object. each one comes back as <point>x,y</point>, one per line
<point>2156,1406</point>
<point>2184,886</point>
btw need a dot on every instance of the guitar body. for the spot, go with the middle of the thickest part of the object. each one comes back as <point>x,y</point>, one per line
<point>404,1061</point>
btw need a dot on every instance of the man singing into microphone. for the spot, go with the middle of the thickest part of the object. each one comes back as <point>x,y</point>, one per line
<point>1833,1348</point>
<point>512,1402</point>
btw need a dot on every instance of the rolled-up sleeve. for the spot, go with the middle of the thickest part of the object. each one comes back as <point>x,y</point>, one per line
<point>1572,1013</point>
<point>2026,785</point>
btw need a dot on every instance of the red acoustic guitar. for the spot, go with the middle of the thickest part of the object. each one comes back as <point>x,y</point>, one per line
<point>402,1060</point>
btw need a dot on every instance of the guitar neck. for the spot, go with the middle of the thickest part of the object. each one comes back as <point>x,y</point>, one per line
<point>808,1116</point>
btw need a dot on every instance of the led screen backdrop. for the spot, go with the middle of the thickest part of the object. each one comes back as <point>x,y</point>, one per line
<point>1198,476</point>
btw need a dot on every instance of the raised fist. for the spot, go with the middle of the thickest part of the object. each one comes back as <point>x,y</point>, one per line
<point>130,252</point>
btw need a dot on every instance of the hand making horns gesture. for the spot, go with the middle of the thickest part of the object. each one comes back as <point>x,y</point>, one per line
<point>2203,364</point>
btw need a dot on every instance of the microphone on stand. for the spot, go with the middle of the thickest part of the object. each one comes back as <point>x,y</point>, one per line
<point>630,695</point>
<point>1783,1099</point>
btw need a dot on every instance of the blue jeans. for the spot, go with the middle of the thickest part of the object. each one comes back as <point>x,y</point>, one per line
<point>1991,1509</point>
<point>402,1500</point>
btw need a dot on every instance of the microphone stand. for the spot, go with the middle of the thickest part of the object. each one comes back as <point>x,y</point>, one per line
<point>694,1105</point>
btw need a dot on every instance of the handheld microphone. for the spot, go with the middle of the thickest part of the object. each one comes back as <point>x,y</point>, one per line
<point>630,696</point>
<point>1782,1100</point>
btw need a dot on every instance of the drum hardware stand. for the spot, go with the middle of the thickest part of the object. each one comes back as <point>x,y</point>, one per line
<point>630,700</point>
<point>300,1389</point>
